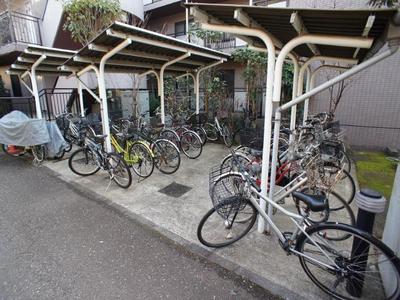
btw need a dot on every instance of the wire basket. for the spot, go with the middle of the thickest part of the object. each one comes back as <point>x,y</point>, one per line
<point>252,138</point>
<point>224,185</point>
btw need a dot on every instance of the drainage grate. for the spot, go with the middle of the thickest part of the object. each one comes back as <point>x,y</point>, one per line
<point>175,190</point>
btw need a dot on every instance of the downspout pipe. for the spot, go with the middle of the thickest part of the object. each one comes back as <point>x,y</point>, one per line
<point>35,87</point>
<point>268,102</point>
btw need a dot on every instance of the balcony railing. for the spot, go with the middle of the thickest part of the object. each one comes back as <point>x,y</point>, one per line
<point>17,27</point>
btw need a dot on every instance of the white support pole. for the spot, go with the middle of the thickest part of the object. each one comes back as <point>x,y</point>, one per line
<point>35,90</point>
<point>187,22</point>
<point>82,107</point>
<point>306,102</point>
<point>268,102</point>
<point>161,88</point>
<point>197,82</point>
<point>343,41</point>
<point>103,93</point>
<point>296,70</point>
<point>304,68</point>
<point>391,236</point>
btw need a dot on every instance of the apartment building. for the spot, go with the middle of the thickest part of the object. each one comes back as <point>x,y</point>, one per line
<point>369,109</point>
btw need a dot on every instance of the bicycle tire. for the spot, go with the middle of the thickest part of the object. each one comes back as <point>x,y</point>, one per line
<point>121,164</point>
<point>201,133</point>
<point>39,153</point>
<point>211,132</point>
<point>347,269</point>
<point>141,156</point>
<point>213,213</point>
<point>168,152</point>
<point>87,159</point>
<point>350,191</point>
<point>227,136</point>
<point>172,136</point>
<point>191,144</point>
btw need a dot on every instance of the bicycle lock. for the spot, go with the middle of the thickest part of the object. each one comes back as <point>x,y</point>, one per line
<point>369,203</point>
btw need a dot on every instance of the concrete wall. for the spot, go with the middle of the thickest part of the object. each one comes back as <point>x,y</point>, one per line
<point>369,110</point>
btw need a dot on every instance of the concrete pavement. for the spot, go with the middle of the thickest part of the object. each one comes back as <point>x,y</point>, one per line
<point>57,244</point>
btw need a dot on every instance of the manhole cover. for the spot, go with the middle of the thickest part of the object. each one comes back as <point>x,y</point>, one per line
<point>175,190</point>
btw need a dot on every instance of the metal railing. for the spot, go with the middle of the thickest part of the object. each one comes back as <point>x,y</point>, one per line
<point>54,101</point>
<point>17,27</point>
<point>24,104</point>
<point>229,43</point>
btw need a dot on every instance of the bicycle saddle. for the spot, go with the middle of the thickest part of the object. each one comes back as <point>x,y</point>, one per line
<point>314,202</point>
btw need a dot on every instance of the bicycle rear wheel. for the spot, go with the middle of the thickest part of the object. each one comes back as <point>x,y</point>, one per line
<point>167,156</point>
<point>83,162</point>
<point>360,266</point>
<point>140,159</point>
<point>201,133</point>
<point>191,144</point>
<point>170,135</point>
<point>39,153</point>
<point>219,228</point>
<point>227,136</point>
<point>119,170</point>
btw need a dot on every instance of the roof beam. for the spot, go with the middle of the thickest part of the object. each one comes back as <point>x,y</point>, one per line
<point>243,18</point>
<point>48,54</point>
<point>367,28</point>
<point>31,61</point>
<point>16,67</point>
<point>161,44</point>
<point>139,54</point>
<point>298,25</point>
<point>124,63</point>
<point>203,17</point>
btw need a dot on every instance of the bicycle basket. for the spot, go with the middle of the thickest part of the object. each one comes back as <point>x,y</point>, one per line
<point>223,185</point>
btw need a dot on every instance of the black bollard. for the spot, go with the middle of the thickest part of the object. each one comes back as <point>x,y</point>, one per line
<point>369,203</point>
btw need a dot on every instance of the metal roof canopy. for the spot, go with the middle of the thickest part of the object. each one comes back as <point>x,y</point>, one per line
<point>39,60</point>
<point>335,35</point>
<point>122,48</point>
<point>284,24</point>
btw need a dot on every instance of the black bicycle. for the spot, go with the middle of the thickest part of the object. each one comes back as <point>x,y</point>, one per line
<point>92,157</point>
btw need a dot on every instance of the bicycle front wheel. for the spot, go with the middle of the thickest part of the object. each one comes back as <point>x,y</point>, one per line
<point>119,170</point>
<point>227,136</point>
<point>39,153</point>
<point>201,133</point>
<point>359,266</point>
<point>83,162</point>
<point>219,228</point>
<point>141,160</point>
<point>167,156</point>
<point>191,144</point>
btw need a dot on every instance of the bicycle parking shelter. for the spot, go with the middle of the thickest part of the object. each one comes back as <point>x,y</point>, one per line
<point>122,48</point>
<point>39,60</point>
<point>350,37</point>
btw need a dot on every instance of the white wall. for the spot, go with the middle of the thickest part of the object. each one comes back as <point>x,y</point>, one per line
<point>51,22</point>
<point>133,6</point>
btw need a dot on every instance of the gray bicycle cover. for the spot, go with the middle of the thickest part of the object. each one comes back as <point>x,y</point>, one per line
<point>18,129</point>
<point>57,143</point>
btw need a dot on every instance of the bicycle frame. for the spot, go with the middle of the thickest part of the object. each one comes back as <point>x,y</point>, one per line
<point>128,158</point>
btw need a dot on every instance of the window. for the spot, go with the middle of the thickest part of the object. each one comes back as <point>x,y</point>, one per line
<point>180,28</point>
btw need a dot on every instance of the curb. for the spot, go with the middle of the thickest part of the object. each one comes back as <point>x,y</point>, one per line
<point>181,242</point>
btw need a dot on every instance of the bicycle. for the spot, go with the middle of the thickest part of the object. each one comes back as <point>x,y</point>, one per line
<point>165,154</point>
<point>216,131</point>
<point>344,269</point>
<point>92,157</point>
<point>135,152</point>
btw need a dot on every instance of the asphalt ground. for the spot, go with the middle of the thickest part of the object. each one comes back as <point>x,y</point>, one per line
<point>55,243</point>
